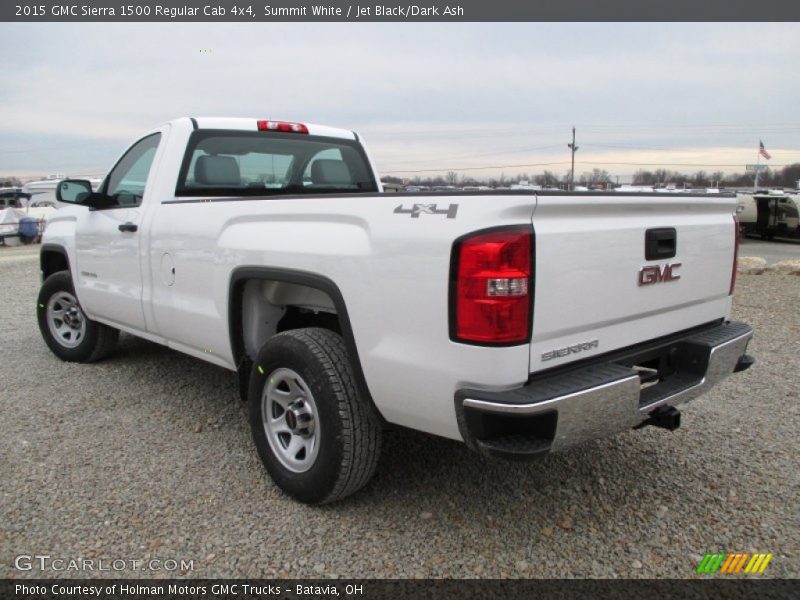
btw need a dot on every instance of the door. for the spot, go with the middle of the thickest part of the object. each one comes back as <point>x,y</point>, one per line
<point>109,283</point>
<point>767,214</point>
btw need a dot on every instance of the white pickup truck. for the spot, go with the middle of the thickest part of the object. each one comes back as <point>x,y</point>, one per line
<point>518,322</point>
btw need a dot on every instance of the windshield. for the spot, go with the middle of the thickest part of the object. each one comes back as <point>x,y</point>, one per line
<point>235,163</point>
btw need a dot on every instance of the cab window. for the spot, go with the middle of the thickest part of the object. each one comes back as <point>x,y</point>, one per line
<point>126,182</point>
<point>238,163</point>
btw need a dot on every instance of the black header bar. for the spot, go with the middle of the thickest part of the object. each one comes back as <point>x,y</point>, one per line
<point>370,589</point>
<point>245,11</point>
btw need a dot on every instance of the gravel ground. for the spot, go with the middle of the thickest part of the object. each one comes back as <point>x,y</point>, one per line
<point>148,454</point>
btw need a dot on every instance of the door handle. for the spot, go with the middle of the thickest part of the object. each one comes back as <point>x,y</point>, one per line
<point>132,227</point>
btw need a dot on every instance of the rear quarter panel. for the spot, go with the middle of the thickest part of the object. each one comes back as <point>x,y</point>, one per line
<point>392,270</point>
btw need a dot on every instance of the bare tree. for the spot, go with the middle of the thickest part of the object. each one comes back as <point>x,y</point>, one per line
<point>546,179</point>
<point>597,176</point>
<point>10,182</point>
<point>701,179</point>
<point>786,177</point>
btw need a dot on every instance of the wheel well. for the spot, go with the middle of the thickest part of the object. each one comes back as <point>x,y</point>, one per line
<point>267,307</point>
<point>53,261</point>
<point>273,300</point>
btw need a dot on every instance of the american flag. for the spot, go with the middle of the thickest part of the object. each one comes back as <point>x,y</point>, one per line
<point>763,151</point>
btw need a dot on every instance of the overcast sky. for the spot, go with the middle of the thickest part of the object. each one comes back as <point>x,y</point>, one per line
<point>425,96</point>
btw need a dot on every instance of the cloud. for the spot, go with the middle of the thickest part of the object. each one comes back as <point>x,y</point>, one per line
<point>419,92</point>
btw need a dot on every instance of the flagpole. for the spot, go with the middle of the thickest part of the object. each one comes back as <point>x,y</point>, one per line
<point>758,167</point>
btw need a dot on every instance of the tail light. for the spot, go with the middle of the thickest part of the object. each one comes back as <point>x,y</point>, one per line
<point>282,126</point>
<point>492,286</point>
<point>736,237</point>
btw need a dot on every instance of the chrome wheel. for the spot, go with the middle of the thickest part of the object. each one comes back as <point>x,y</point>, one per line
<point>290,419</point>
<point>66,320</point>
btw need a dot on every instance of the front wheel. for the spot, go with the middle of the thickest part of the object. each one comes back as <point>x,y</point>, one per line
<point>315,434</point>
<point>66,330</point>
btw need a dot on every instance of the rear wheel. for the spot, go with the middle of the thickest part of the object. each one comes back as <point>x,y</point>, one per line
<point>315,434</point>
<point>68,332</point>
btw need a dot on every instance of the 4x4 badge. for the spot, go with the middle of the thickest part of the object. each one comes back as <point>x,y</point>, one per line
<point>429,209</point>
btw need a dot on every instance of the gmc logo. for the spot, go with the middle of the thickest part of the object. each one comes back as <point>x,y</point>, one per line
<point>654,274</point>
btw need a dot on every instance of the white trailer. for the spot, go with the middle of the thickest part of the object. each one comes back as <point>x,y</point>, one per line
<point>769,214</point>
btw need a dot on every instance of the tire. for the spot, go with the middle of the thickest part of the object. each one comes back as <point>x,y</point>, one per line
<point>74,338</point>
<point>318,438</point>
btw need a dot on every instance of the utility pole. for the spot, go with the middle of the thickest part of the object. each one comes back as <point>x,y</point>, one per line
<point>574,149</point>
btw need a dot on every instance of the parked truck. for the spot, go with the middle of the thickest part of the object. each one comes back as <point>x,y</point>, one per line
<point>520,322</point>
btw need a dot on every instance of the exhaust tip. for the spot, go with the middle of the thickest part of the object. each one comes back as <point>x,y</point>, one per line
<point>745,362</point>
<point>666,417</point>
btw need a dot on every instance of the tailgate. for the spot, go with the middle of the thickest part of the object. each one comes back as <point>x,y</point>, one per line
<point>591,294</point>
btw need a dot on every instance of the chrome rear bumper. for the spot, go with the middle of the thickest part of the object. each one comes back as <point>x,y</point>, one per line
<point>567,407</point>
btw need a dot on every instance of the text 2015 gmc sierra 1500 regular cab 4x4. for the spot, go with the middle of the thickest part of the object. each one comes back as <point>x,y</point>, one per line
<point>518,322</point>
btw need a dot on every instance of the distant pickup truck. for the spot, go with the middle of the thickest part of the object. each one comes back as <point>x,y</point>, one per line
<point>519,322</point>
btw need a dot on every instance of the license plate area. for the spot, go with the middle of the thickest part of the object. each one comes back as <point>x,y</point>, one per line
<point>667,370</point>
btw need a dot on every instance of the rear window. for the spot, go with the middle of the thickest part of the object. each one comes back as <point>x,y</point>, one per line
<point>236,163</point>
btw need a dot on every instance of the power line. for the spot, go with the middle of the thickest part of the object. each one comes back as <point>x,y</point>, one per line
<point>502,153</point>
<point>91,145</point>
<point>526,130</point>
<point>668,164</point>
<point>458,131</point>
<point>584,162</point>
<point>477,168</point>
<point>630,147</point>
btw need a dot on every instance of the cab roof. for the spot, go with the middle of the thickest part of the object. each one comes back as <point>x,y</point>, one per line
<point>251,124</point>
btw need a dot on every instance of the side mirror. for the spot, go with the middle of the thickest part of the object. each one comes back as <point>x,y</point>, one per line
<point>74,191</point>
